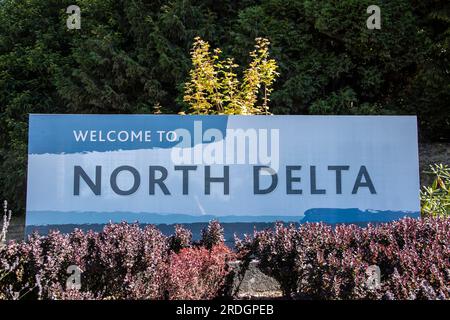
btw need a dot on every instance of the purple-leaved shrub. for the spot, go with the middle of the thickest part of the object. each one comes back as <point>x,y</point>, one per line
<point>197,272</point>
<point>121,262</point>
<point>313,261</point>
<point>212,235</point>
<point>182,238</point>
<point>124,261</point>
<point>317,261</point>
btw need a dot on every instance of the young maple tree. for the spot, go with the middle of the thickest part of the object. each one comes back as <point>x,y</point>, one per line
<point>214,87</point>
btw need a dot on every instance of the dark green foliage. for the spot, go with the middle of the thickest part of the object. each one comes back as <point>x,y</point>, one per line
<point>330,63</point>
<point>32,49</point>
<point>133,56</point>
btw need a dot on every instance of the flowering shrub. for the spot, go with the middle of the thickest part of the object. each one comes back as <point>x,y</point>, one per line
<point>321,262</point>
<point>198,273</point>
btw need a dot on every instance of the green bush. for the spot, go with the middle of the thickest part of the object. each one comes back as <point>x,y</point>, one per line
<point>436,198</point>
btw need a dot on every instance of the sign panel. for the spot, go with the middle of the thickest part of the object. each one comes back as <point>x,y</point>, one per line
<point>92,169</point>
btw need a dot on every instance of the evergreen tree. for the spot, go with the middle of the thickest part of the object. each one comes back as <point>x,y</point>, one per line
<point>134,57</point>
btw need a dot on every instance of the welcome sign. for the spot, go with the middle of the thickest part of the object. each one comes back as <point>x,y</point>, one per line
<point>180,169</point>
